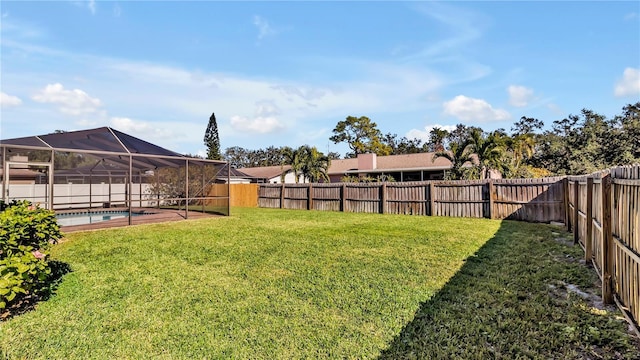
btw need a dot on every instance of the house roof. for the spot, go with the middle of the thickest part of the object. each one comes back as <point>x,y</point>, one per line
<point>265,172</point>
<point>107,144</point>
<point>22,173</point>
<point>235,173</point>
<point>406,162</point>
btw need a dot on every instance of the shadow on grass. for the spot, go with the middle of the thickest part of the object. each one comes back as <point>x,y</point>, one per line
<point>512,299</point>
<point>28,302</point>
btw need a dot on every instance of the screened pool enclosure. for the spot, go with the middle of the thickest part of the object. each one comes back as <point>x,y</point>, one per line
<point>104,168</point>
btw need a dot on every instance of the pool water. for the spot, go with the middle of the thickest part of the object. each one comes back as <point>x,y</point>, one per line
<point>91,217</point>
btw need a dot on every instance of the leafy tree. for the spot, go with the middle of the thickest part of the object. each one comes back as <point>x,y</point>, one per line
<point>581,144</point>
<point>624,143</point>
<point>239,157</point>
<point>460,134</point>
<point>361,135</point>
<point>437,139</point>
<point>212,139</point>
<point>403,145</point>
<point>236,156</point>
<point>333,155</point>
<point>526,125</point>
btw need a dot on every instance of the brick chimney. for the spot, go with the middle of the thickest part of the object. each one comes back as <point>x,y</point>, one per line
<point>367,162</point>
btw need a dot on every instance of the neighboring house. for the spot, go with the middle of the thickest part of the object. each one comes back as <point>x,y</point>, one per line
<point>408,167</point>
<point>271,174</point>
<point>24,177</point>
<point>21,174</point>
<point>235,177</point>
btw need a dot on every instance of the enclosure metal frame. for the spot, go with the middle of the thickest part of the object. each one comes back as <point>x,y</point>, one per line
<point>172,161</point>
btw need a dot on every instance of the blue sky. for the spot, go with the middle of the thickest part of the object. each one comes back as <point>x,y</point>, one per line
<point>284,73</point>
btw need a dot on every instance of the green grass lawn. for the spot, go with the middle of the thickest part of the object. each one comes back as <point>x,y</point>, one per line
<point>266,284</point>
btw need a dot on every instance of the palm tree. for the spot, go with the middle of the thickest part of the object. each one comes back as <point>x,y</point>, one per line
<point>307,161</point>
<point>316,165</point>
<point>458,154</point>
<point>523,146</point>
<point>489,151</point>
<point>295,158</point>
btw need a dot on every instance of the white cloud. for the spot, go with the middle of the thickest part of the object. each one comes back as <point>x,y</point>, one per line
<point>163,94</point>
<point>259,124</point>
<point>263,122</point>
<point>264,29</point>
<point>631,16</point>
<point>71,102</point>
<point>470,109</point>
<point>424,134</point>
<point>519,95</point>
<point>267,108</point>
<point>7,100</point>
<point>141,128</point>
<point>89,4</point>
<point>629,85</point>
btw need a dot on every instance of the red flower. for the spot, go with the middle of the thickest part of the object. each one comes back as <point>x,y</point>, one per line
<point>38,254</point>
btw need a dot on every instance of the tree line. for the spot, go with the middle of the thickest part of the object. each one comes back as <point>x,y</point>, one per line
<point>578,144</point>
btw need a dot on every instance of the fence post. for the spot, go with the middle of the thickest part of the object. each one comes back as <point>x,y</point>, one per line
<point>588,242</point>
<point>343,198</point>
<point>607,242</point>
<point>432,198</point>
<point>310,195</point>
<point>565,192</point>
<point>282,196</point>
<point>491,212</point>
<point>383,198</point>
<point>576,209</point>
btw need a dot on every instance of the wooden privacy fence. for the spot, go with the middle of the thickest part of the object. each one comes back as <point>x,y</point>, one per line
<point>604,215</point>
<point>244,195</point>
<point>538,200</point>
<point>602,210</point>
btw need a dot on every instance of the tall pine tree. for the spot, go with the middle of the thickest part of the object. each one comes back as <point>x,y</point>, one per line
<point>212,139</point>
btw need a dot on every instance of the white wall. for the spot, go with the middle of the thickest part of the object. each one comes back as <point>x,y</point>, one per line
<point>288,179</point>
<point>77,195</point>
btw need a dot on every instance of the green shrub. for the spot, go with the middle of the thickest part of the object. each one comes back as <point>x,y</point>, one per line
<point>26,275</point>
<point>23,224</point>
<point>26,232</point>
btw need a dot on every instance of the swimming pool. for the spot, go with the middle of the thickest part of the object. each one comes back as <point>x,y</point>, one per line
<point>82,218</point>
